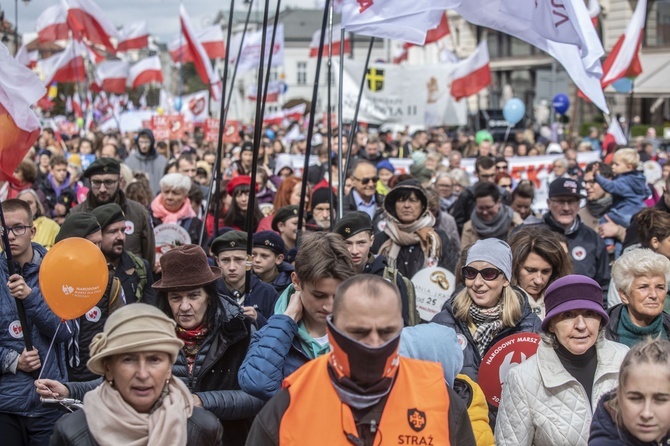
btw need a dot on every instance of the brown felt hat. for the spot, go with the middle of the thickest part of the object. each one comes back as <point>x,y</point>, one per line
<point>184,268</point>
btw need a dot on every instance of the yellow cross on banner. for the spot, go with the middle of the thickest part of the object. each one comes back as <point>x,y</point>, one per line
<point>375,78</point>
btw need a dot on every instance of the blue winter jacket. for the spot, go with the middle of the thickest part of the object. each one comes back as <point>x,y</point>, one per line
<point>629,190</point>
<point>17,391</point>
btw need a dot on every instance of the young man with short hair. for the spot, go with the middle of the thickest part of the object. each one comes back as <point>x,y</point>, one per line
<point>230,252</point>
<point>268,260</point>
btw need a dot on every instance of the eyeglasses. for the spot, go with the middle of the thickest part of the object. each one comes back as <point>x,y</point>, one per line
<point>484,209</point>
<point>501,166</point>
<point>470,273</point>
<point>108,183</point>
<point>19,230</point>
<point>365,181</point>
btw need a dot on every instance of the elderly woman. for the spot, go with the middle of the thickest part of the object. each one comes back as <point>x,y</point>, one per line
<point>46,229</point>
<point>409,241</point>
<point>538,259</point>
<point>640,277</point>
<point>550,398</point>
<point>139,401</point>
<point>488,308</point>
<point>172,205</point>
<point>216,337</point>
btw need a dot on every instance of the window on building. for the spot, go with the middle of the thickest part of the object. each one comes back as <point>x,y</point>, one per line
<point>302,73</point>
<point>657,29</point>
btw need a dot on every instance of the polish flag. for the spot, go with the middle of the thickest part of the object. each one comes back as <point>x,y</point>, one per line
<point>19,126</point>
<point>337,33</point>
<point>401,54</point>
<point>52,24</point>
<point>473,74</point>
<point>594,11</point>
<point>95,54</point>
<point>273,92</point>
<point>133,37</point>
<point>27,58</point>
<point>211,39</point>
<point>200,58</point>
<point>441,31</point>
<point>295,113</point>
<point>275,118</point>
<point>87,20</point>
<point>112,76</point>
<point>624,59</point>
<point>615,134</point>
<point>76,106</point>
<point>66,66</point>
<point>145,71</point>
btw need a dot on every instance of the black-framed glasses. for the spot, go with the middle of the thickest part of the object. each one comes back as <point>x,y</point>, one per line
<point>108,183</point>
<point>366,180</point>
<point>19,230</point>
<point>470,273</point>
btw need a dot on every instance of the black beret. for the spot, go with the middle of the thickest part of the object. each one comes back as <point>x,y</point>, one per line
<point>102,166</point>
<point>283,214</point>
<point>353,223</point>
<point>230,241</point>
<point>108,213</point>
<point>270,240</point>
<point>79,225</point>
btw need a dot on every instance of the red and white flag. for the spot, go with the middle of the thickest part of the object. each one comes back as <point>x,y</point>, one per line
<point>19,126</point>
<point>295,113</point>
<point>624,59</point>
<point>200,58</point>
<point>402,53</point>
<point>473,74</point>
<point>95,54</point>
<point>27,58</point>
<point>274,89</point>
<point>337,33</point>
<point>440,32</point>
<point>250,57</point>
<point>112,75</point>
<point>594,11</point>
<point>66,66</point>
<point>52,24</point>
<point>87,20</point>
<point>395,19</point>
<point>615,134</point>
<point>145,71</point>
<point>133,37</point>
<point>516,19</point>
<point>76,106</point>
<point>211,39</point>
<point>274,118</point>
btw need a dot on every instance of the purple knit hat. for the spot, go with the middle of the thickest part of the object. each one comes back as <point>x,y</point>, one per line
<point>573,292</point>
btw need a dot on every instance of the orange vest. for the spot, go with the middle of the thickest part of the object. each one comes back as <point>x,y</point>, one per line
<point>416,412</point>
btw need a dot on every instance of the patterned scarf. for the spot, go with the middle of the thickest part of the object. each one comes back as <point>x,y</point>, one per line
<point>193,340</point>
<point>488,322</point>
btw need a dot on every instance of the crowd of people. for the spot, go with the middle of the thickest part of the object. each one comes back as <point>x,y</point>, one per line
<point>317,337</point>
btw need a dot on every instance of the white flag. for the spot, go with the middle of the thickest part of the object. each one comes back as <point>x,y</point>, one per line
<point>251,49</point>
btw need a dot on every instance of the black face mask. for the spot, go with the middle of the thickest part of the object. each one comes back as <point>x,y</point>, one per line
<point>354,362</point>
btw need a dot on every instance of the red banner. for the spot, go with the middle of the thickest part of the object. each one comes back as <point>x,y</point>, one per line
<point>168,127</point>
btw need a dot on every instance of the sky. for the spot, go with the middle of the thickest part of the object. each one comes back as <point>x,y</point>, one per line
<point>161,15</point>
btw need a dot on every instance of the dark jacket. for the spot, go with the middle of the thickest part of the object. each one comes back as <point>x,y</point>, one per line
<point>54,194</point>
<point>629,190</point>
<point>129,274</point>
<point>633,231</point>
<point>139,232</point>
<point>152,163</point>
<point>529,322</point>
<point>262,296</point>
<point>349,203</point>
<point>376,265</point>
<point>411,258</point>
<point>17,392</point>
<point>72,430</point>
<point>283,280</point>
<point>604,431</point>
<point>615,316</point>
<point>462,208</point>
<point>214,375</point>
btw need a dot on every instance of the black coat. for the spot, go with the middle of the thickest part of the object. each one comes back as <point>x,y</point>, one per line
<point>214,376</point>
<point>376,266</point>
<point>72,430</point>
<point>615,316</point>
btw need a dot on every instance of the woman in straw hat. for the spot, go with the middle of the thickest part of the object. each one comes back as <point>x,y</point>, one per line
<point>139,401</point>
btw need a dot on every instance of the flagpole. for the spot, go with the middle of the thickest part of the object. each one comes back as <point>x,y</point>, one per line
<point>258,131</point>
<point>180,82</point>
<point>310,128</point>
<point>329,131</point>
<point>340,131</point>
<point>354,124</point>
<point>272,47</point>
<point>631,97</point>
<point>215,181</point>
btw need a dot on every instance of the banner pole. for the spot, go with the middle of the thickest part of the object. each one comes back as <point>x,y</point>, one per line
<point>329,132</point>
<point>340,93</point>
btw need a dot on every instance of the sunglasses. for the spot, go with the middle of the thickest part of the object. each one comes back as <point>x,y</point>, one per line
<point>365,181</point>
<point>470,273</point>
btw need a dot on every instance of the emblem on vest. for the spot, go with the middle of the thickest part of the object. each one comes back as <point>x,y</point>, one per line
<point>416,419</point>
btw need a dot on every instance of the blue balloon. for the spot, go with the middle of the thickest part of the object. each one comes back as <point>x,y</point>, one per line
<point>514,111</point>
<point>623,85</point>
<point>177,104</point>
<point>561,103</point>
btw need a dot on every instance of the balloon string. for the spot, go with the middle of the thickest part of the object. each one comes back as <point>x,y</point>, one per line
<point>66,326</point>
<point>49,351</point>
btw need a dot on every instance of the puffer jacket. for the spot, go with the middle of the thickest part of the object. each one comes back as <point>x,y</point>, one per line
<point>72,430</point>
<point>214,376</point>
<point>17,392</point>
<point>629,190</point>
<point>604,431</point>
<point>542,404</point>
<point>478,410</point>
<point>529,322</point>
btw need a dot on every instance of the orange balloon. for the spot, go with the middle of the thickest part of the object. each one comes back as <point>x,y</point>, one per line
<point>73,277</point>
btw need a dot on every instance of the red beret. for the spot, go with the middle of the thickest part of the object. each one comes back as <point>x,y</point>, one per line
<point>242,180</point>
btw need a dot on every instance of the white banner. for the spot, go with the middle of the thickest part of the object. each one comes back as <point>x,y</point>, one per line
<point>388,100</point>
<point>251,49</point>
